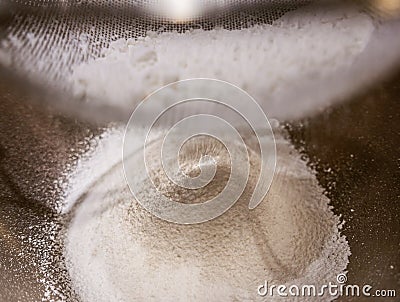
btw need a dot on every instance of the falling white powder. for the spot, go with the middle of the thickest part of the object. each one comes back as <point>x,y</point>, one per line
<point>116,251</point>
<point>273,63</point>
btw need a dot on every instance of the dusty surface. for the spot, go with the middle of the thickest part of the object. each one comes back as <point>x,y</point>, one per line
<point>355,148</point>
<point>359,141</point>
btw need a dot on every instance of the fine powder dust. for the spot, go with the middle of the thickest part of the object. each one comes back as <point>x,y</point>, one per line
<point>117,251</point>
<point>273,63</point>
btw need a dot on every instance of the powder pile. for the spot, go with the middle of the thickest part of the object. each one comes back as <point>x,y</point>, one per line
<point>301,49</point>
<point>117,251</point>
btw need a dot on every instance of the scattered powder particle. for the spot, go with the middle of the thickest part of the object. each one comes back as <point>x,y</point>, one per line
<point>117,251</point>
<point>300,49</point>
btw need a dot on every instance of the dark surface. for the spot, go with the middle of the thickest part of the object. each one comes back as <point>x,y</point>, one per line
<point>35,147</point>
<point>354,147</point>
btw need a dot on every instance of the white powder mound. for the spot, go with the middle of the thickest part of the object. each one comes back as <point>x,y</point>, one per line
<point>273,63</point>
<point>117,251</point>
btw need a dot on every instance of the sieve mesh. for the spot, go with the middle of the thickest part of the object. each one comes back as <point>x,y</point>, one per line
<point>44,43</point>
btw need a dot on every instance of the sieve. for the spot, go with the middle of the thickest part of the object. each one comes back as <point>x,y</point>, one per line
<point>41,41</point>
